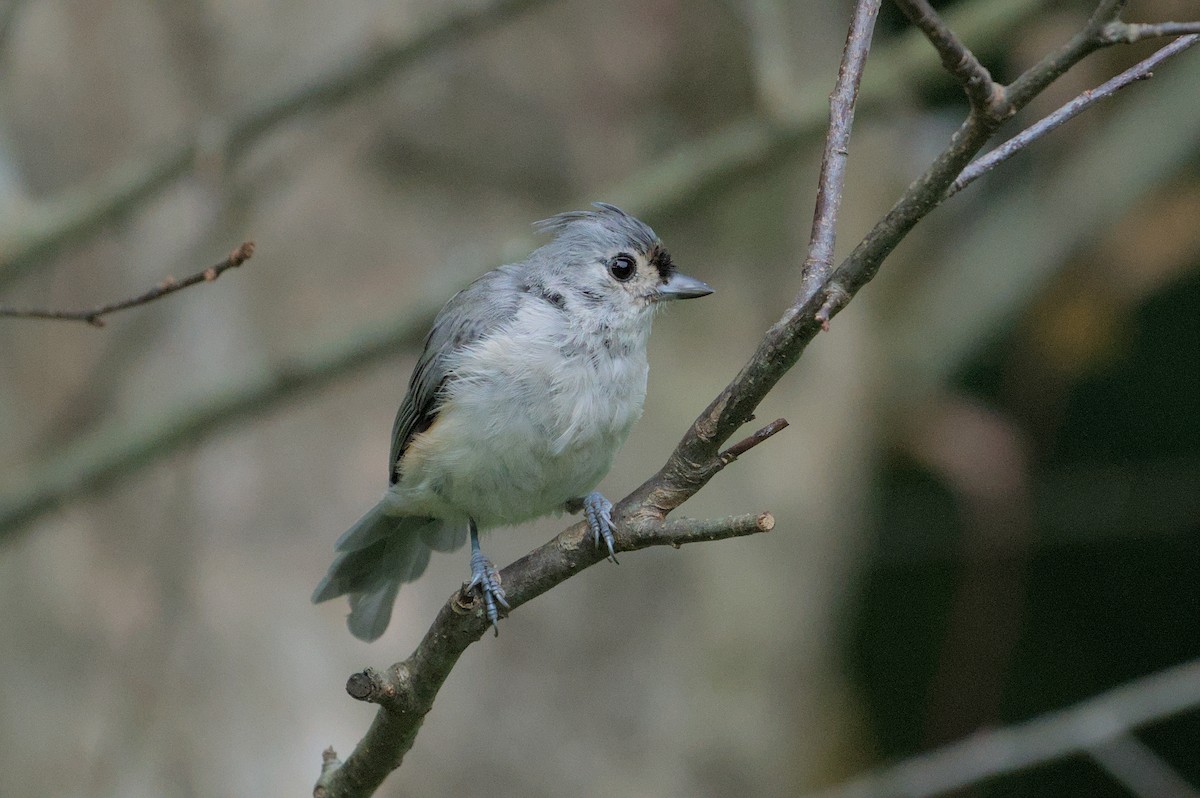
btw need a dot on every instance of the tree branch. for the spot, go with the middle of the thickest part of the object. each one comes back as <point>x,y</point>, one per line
<point>985,95</point>
<point>1085,727</point>
<point>1091,38</point>
<point>837,147</point>
<point>1129,32</point>
<point>80,213</point>
<point>95,316</point>
<point>929,190</point>
<point>741,447</point>
<point>713,163</point>
<point>1140,71</point>
<point>407,690</point>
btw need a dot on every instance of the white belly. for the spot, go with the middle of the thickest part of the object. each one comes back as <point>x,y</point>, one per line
<point>523,430</point>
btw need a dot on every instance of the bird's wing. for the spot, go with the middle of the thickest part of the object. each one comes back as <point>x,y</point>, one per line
<point>471,314</point>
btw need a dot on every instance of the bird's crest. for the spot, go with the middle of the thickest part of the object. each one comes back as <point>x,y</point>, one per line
<point>606,223</point>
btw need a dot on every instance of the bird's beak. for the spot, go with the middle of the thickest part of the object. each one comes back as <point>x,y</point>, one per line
<point>680,286</point>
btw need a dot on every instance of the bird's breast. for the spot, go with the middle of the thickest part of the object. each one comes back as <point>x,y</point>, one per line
<point>528,424</point>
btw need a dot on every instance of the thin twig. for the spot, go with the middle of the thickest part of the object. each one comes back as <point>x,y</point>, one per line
<point>842,101</point>
<point>1033,81</point>
<point>985,95</point>
<point>95,316</point>
<point>677,532</point>
<point>1048,737</point>
<point>1129,32</point>
<point>1087,99</point>
<point>928,190</point>
<point>745,445</point>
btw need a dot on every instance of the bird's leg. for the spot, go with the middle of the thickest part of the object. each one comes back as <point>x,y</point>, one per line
<point>485,577</point>
<point>598,511</point>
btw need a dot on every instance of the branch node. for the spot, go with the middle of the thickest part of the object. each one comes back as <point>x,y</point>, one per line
<point>365,686</point>
<point>464,602</point>
<point>836,298</point>
<point>242,254</point>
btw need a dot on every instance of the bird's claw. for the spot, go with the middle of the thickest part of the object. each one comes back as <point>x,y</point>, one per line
<point>598,511</point>
<point>485,577</point>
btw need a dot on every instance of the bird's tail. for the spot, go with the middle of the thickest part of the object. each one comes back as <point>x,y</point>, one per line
<point>376,556</point>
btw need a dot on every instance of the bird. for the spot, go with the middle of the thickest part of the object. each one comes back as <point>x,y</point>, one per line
<point>530,380</point>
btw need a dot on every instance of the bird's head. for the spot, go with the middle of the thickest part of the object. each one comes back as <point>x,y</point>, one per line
<point>606,260</point>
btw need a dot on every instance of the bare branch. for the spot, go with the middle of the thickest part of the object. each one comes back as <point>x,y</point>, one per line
<point>405,692</point>
<point>1139,71</point>
<point>819,262</point>
<point>986,96</point>
<point>740,448</point>
<point>1034,80</point>
<point>681,531</point>
<point>82,212</point>
<point>1078,729</point>
<point>928,191</point>
<point>95,316</point>
<point>1129,32</point>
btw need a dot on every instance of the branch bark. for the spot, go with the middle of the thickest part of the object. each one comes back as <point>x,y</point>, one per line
<point>1139,71</point>
<point>95,316</point>
<point>985,95</point>
<point>837,148</point>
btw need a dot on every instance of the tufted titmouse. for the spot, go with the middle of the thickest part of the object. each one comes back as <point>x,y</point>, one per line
<point>531,379</point>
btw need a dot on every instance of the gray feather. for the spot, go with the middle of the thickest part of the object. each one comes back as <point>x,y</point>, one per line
<point>445,537</point>
<point>378,554</point>
<point>470,315</point>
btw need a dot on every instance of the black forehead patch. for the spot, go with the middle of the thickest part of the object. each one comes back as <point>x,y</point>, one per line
<point>660,259</point>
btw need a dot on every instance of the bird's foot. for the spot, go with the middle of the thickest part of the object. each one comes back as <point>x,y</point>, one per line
<point>598,511</point>
<point>485,577</point>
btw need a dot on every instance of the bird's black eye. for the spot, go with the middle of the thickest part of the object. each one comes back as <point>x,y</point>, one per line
<point>622,268</point>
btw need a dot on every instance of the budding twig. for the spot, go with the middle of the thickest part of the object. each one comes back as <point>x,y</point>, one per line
<point>95,316</point>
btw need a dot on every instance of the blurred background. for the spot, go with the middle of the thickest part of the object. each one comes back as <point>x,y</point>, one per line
<point>987,499</point>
